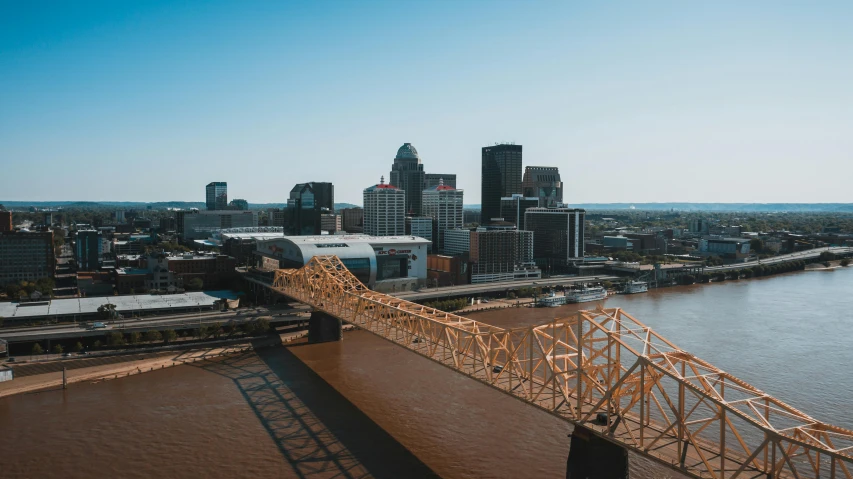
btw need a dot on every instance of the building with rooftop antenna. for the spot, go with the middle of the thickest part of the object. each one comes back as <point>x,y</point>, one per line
<point>444,204</point>
<point>384,210</point>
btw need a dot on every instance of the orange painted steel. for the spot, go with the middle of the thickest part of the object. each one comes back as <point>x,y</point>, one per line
<point>604,370</point>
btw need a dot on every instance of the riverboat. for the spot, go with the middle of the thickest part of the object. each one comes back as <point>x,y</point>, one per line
<point>585,294</point>
<point>635,287</point>
<point>551,300</point>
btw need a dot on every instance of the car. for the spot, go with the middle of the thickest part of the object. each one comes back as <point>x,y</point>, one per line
<point>99,326</point>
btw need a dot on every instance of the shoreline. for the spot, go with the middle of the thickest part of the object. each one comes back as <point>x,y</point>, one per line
<point>155,361</point>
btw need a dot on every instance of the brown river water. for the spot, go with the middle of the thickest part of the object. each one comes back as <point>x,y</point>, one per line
<point>364,407</point>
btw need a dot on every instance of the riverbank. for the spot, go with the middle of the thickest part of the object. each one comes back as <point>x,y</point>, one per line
<point>105,368</point>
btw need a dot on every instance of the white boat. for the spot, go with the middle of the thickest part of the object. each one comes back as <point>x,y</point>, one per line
<point>550,300</point>
<point>635,287</point>
<point>585,294</point>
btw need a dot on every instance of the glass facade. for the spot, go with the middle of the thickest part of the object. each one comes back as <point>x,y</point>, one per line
<point>501,178</point>
<point>558,236</point>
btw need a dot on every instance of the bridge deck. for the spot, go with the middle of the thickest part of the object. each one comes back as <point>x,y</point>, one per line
<point>606,371</point>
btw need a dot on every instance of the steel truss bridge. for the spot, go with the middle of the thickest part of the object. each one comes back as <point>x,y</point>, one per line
<point>603,370</point>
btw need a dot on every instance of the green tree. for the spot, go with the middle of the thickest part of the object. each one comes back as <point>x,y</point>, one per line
<point>203,332</point>
<point>37,349</point>
<point>135,337</point>
<point>169,336</point>
<point>262,325</point>
<point>97,344</point>
<point>844,262</point>
<point>58,349</point>
<point>153,336</point>
<point>107,311</point>
<point>756,245</point>
<point>115,338</point>
<point>195,284</point>
<point>78,346</point>
<point>216,330</point>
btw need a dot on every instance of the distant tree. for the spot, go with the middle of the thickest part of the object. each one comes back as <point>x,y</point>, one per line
<point>97,344</point>
<point>37,349</point>
<point>756,245</point>
<point>153,336</point>
<point>115,338</point>
<point>58,349</point>
<point>169,336</point>
<point>607,284</point>
<point>844,262</point>
<point>78,346</point>
<point>203,332</point>
<point>107,311</point>
<point>135,337</point>
<point>215,329</point>
<point>262,325</point>
<point>195,284</point>
<point>827,264</point>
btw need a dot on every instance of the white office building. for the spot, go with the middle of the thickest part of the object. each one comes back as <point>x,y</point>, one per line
<point>384,210</point>
<point>444,204</point>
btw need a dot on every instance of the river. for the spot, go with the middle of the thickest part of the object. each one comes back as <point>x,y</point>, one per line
<point>364,407</point>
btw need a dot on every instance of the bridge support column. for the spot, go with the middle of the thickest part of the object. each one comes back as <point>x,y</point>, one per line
<point>323,328</point>
<point>591,457</point>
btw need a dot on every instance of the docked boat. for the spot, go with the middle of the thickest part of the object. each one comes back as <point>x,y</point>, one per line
<point>551,300</point>
<point>585,294</point>
<point>635,287</point>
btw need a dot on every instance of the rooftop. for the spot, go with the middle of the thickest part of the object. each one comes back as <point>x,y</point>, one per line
<point>58,307</point>
<point>407,151</point>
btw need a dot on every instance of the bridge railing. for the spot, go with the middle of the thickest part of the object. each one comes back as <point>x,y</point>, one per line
<point>604,370</point>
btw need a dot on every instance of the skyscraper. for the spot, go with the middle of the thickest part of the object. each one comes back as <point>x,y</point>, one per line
<point>384,210</point>
<point>306,203</point>
<point>432,179</point>
<point>544,183</point>
<point>501,178</point>
<point>6,221</point>
<point>444,204</point>
<point>513,208</point>
<point>407,173</point>
<point>217,195</point>
<point>558,236</point>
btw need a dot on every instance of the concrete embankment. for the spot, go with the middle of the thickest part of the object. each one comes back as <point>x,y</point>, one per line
<point>33,377</point>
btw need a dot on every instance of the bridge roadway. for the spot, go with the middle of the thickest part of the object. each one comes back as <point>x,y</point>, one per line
<point>474,289</point>
<point>800,255</point>
<point>159,323</point>
<point>602,370</point>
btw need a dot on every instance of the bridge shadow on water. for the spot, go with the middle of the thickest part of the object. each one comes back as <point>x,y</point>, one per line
<point>318,431</point>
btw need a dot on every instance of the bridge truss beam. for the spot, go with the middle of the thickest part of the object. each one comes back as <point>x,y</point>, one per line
<point>606,371</point>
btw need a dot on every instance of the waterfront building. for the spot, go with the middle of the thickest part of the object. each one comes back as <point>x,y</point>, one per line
<point>26,256</point>
<point>444,204</point>
<point>731,248</point>
<point>89,249</point>
<point>447,270</point>
<point>383,263</point>
<point>501,178</point>
<point>384,210</point>
<point>513,208</point>
<point>6,221</point>
<point>330,223</point>
<point>457,241</point>
<point>195,224</point>
<point>544,183</point>
<point>423,227</point>
<point>432,180</point>
<point>352,220</point>
<point>307,202</point>
<point>216,194</point>
<point>558,236</point>
<point>407,173</point>
<point>502,255</point>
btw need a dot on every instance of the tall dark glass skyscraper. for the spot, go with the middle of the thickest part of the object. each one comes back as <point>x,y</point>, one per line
<point>306,203</point>
<point>216,197</point>
<point>501,178</point>
<point>407,174</point>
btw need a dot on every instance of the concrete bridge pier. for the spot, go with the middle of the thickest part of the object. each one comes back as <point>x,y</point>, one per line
<point>591,457</point>
<point>323,328</point>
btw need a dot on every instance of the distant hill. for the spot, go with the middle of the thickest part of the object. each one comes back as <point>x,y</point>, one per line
<point>722,207</point>
<point>160,205</point>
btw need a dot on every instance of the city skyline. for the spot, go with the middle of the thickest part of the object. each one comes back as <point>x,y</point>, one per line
<point>720,103</point>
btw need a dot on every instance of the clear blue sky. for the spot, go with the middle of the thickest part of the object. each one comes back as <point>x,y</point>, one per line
<point>635,101</point>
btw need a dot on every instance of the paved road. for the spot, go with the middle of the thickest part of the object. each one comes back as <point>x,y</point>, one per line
<point>810,254</point>
<point>182,321</point>
<point>475,289</point>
